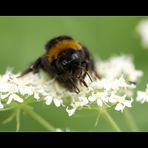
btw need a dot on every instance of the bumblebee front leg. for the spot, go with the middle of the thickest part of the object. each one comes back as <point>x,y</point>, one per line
<point>86,70</point>
<point>33,68</point>
<point>90,66</point>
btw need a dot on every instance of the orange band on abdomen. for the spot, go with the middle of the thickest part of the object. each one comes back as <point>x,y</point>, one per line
<point>61,46</point>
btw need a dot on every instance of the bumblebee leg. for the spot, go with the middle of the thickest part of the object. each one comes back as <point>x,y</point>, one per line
<point>80,76</point>
<point>83,74</point>
<point>86,69</point>
<point>76,89</point>
<point>82,81</point>
<point>86,73</point>
<point>96,74</point>
<point>33,68</point>
<point>92,68</point>
<point>68,83</point>
<point>132,82</point>
<point>90,63</point>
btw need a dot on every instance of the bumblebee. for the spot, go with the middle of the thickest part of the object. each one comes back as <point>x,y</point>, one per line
<point>66,60</point>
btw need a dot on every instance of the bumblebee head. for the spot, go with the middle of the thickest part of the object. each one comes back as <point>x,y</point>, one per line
<point>68,60</point>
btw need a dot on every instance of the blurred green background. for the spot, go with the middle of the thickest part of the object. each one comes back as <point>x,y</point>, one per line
<point>22,40</point>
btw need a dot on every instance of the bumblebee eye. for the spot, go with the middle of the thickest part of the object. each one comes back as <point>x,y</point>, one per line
<point>64,62</point>
<point>75,56</point>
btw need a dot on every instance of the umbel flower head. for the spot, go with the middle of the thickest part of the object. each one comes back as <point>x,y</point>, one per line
<point>114,89</point>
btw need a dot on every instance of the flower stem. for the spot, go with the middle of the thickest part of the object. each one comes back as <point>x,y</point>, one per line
<point>38,118</point>
<point>111,121</point>
<point>17,120</point>
<point>98,117</point>
<point>9,119</point>
<point>6,109</point>
<point>130,120</point>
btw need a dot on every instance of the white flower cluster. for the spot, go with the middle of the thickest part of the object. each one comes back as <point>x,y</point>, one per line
<point>113,89</point>
<point>142,30</point>
<point>117,66</point>
<point>142,96</point>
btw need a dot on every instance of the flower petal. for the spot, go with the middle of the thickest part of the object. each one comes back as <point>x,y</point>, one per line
<point>36,95</point>
<point>127,103</point>
<point>1,105</point>
<point>70,111</point>
<point>83,100</point>
<point>4,96</point>
<point>119,107</point>
<point>112,99</point>
<point>99,102</point>
<point>14,97</point>
<point>92,98</point>
<point>57,102</point>
<point>48,100</point>
<point>142,96</point>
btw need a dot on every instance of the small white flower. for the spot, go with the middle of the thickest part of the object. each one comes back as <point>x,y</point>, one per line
<point>128,103</point>
<point>14,97</point>
<point>118,83</point>
<point>26,90</point>
<point>99,102</point>
<point>83,100</point>
<point>113,98</point>
<point>119,107</point>
<point>36,95</point>
<point>92,98</point>
<point>48,100</point>
<point>102,97</point>
<point>107,85</point>
<point>142,96</point>
<point>96,84</point>
<point>1,105</point>
<point>70,111</point>
<point>134,76</point>
<point>122,103</point>
<point>57,101</point>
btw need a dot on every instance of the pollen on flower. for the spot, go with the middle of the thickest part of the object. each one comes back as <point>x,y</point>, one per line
<point>113,89</point>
